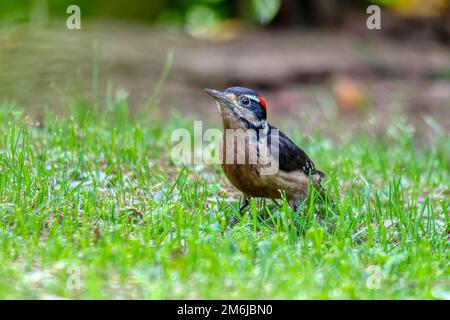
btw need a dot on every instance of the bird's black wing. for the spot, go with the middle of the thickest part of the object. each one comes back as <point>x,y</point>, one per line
<point>291,157</point>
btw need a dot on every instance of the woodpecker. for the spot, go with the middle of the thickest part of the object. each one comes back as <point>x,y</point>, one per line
<point>245,110</point>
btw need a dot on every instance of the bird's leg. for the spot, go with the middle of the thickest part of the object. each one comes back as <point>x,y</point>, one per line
<point>295,204</point>
<point>244,204</point>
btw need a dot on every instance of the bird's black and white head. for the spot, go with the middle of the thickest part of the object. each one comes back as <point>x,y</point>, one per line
<point>241,108</point>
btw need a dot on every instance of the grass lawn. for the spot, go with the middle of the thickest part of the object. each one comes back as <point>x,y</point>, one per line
<point>92,207</point>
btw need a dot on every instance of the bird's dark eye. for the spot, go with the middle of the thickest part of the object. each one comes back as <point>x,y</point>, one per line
<point>244,101</point>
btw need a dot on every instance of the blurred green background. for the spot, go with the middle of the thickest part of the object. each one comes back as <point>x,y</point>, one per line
<point>308,57</point>
<point>186,12</point>
<point>172,12</point>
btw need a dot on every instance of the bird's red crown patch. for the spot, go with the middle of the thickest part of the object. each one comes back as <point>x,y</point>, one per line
<point>262,101</point>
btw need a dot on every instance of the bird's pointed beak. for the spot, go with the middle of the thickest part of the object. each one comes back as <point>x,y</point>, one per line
<point>219,96</point>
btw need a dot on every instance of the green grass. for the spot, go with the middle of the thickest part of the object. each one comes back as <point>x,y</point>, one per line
<point>92,207</point>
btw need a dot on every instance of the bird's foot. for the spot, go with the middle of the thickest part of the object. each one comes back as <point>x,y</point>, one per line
<point>233,220</point>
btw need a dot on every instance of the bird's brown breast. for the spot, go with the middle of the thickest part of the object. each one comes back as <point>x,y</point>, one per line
<point>250,178</point>
<point>247,179</point>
